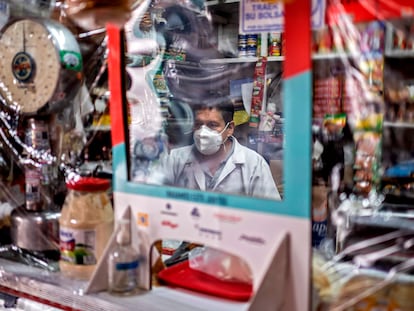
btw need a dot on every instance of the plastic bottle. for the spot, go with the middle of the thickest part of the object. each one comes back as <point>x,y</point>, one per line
<point>85,226</point>
<point>123,262</point>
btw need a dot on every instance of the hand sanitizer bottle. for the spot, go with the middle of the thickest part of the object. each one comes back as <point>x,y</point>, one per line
<point>123,262</point>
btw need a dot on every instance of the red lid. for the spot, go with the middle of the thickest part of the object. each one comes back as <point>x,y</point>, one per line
<point>89,184</point>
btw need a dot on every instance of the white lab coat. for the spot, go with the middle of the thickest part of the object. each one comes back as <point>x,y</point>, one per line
<point>245,173</point>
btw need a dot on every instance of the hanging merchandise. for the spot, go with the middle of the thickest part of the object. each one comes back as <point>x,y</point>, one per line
<point>86,223</point>
<point>259,84</point>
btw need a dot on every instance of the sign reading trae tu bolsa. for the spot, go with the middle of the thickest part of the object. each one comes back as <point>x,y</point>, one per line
<point>268,16</point>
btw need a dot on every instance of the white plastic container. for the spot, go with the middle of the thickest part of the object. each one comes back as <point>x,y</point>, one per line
<point>85,226</point>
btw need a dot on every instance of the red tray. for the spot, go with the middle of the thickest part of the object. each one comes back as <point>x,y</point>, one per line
<point>181,275</point>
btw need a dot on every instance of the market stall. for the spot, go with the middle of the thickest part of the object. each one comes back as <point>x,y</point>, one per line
<point>206,155</point>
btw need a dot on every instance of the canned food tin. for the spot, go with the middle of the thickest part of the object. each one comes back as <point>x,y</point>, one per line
<point>32,188</point>
<point>37,134</point>
<point>242,51</point>
<point>251,50</point>
<point>252,39</point>
<point>242,39</point>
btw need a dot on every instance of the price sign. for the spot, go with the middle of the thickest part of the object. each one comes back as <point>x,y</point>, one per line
<point>268,16</point>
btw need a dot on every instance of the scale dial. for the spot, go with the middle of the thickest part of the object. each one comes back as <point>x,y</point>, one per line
<point>32,62</point>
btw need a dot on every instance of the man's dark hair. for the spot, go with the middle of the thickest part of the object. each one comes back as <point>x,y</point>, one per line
<point>223,104</point>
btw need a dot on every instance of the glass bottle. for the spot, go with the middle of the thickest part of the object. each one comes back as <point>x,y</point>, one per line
<point>123,262</point>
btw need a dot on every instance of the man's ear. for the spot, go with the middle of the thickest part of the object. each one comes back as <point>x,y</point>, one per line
<point>230,128</point>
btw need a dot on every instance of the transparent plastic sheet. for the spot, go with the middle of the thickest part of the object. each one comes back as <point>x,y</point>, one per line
<point>177,61</point>
<point>171,72</point>
<point>54,127</point>
<point>362,195</point>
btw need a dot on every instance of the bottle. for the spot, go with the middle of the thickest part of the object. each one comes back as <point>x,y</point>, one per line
<point>123,262</point>
<point>85,226</point>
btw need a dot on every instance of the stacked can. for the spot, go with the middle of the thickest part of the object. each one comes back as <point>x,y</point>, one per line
<point>242,45</point>
<point>251,45</point>
<point>247,45</point>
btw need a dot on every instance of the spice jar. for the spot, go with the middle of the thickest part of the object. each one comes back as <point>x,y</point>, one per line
<point>85,226</point>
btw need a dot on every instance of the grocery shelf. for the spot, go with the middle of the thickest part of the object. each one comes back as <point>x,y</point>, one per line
<point>399,53</point>
<point>322,56</point>
<point>94,128</point>
<point>385,220</point>
<point>216,2</point>
<point>399,124</point>
<point>334,55</point>
<point>236,60</point>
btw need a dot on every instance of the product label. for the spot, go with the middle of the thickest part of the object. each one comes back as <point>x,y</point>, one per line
<point>319,230</point>
<point>122,266</point>
<point>267,16</point>
<point>319,214</point>
<point>33,177</point>
<point>71,60</point>
<point>78,246</point>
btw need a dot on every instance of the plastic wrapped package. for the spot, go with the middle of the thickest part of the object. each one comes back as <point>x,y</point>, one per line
<point>220,265</point>
<point>210,271</point>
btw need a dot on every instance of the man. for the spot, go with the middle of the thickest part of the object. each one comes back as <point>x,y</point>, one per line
<point>216,161</point>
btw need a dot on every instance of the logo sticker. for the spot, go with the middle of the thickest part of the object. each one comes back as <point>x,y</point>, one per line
<point>143,219</point>
<point>71,60</point>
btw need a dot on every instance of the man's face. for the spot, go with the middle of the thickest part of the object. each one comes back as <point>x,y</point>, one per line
<point>213,119</point>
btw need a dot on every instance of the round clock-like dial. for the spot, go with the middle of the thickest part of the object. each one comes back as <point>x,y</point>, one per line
<point>30,65</point>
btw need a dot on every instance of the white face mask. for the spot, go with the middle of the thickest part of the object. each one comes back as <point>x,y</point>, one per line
<point>208,141</point>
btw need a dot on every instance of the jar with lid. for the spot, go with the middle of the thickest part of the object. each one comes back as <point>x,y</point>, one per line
<point>85,226</point>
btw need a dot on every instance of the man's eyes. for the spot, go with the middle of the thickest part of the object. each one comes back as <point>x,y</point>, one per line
<point>211,125</point>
